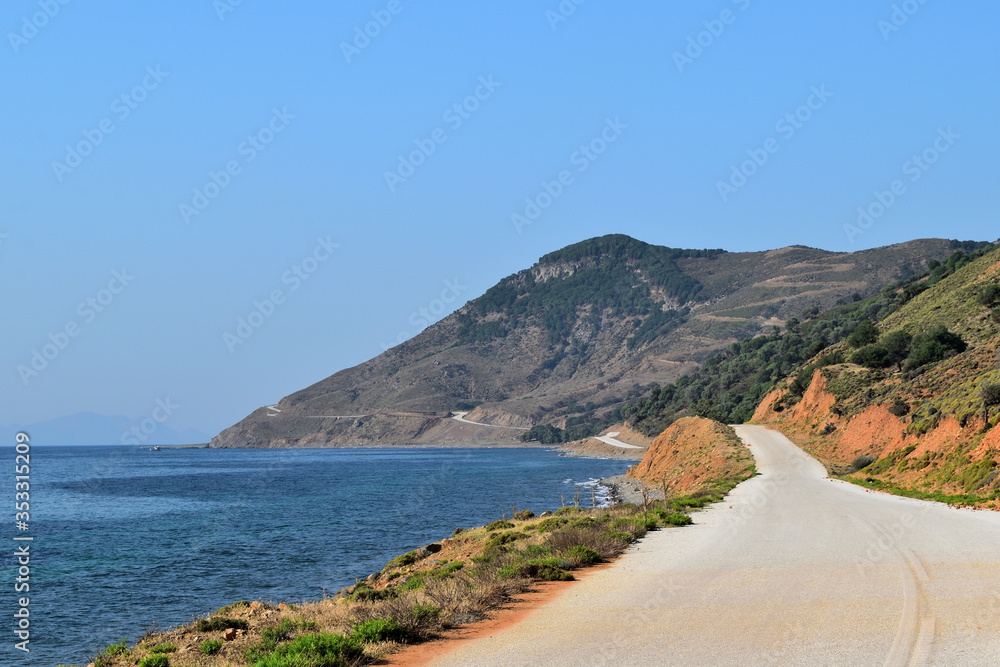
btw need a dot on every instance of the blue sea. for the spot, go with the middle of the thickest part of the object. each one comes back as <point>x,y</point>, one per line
<point>126,539</point>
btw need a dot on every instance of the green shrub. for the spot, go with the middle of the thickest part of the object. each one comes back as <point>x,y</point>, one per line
<point>364,592</point>
<point>317,650</point>
<point>524,515</point>
<point>864,334</point>
<point>569,509</point>
<point>899,408</point>
<point>447,570</point>
<point>861,462</point>
<point>678,520</point>
<point>933,346</point>
<point>989,295</point>
<point>550,524</point>
<point>535,551</point>
<point>210,646</point>
<point>377,630</point>
<point>270,637</point>
<point>499,524</point>
<point>105,657</point>
<point>995,314</point>
<point>415,582</point>
<point>618,535</point>
<point>239,604</point>
<point>425,613</point>
<point>155,660</point>
<point>547,569</point>
<point>872,356</point>
<point>163,648</point>
<point>583,555</point>
<point>634,527</point>
<point>219,623</point>
<point>402,560</point>
<point>541,569</point>
<point>505,537</point>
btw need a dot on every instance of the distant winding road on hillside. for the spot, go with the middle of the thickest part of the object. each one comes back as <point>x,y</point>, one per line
<point>460,416</point>
<point>792,569</point>
<point>612,439</point>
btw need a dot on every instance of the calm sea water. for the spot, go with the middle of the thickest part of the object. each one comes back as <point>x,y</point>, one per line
<point>125,538</point>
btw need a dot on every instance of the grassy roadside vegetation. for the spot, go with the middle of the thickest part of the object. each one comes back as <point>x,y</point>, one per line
<point>959,500</point>
<point>863,467</point>
<point>416,596</point>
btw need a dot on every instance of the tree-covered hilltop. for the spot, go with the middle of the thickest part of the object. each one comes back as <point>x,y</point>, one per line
<point>612,275</point>
<point>729,385</point>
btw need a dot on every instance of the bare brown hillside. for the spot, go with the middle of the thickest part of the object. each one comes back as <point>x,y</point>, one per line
<point>568,340</point>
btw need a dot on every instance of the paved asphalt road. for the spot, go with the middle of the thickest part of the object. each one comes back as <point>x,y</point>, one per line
<point>802,570</point>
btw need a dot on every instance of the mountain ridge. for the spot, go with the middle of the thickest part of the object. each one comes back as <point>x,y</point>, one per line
<point>570,339</point>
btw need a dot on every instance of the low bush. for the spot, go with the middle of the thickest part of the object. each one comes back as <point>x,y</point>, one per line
<point>447,570</point>
<point>415,582</point>
<point>426,613</point>
<point>379,630</point>
<point>540,569</point>
<point>581,555</point>
<point>506,537</point>
<point>155,660</point>
<point>899,408</point>
<point>862,462</point>
<point>210,646</point>
<point>499,524</point>
<point>239,604</point>
<point>270,637</point>
<point>550,524</point>
<point>364,592</point>
<point>636,527</point>
<point>678,520</point>
<point>524,515</point>
<point>163,648</point>
<point>104,659</point>
<point>989,295</point>
<point>317,650</point>
<point>402,560</point>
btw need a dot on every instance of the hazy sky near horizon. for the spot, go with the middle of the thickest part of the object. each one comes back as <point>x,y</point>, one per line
<point>169,166</point>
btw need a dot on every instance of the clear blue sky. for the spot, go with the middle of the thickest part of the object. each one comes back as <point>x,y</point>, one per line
<point>200,79</point>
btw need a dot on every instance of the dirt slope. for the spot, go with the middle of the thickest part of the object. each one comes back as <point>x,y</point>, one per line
<point>691,454</point>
